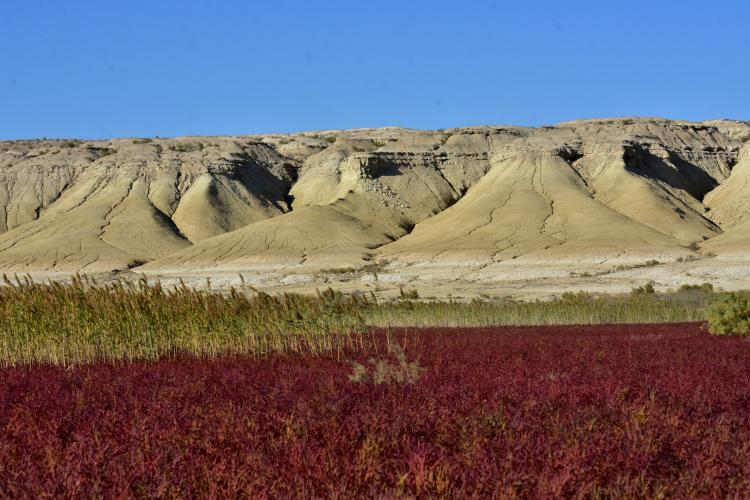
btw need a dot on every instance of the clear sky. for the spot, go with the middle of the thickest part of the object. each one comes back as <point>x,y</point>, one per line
<point>99,69</point>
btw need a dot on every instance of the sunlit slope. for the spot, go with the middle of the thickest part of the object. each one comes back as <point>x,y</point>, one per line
<point>525,203</point>
<point>347,203</point>
<point>339,234</point>
<point>470,196</point>
<point>729,205</point>
<point>93,228</point>
<point>72,207</point>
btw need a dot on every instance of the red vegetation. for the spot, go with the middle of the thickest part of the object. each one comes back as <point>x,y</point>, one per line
<point>643,410</point>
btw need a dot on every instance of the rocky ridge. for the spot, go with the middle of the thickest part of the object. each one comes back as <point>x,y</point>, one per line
<point>471,200</point>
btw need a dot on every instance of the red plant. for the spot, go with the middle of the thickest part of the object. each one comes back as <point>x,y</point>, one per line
<point>644,410</point>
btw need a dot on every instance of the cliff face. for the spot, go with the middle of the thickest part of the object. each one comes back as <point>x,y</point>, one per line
<point>475,196</point>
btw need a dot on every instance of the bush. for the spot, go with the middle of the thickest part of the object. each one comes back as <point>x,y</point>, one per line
<point>381,371</point>
<point>729,314</point>
<point>647,289</point>
<point>375,267</point>
<point>577,298</point>
<point>102,152</point>
<point>186,147</point>
<point>688,258</point>
<point>705,287</point>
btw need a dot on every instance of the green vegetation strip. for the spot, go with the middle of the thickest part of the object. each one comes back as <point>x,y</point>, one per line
<point>82,322</point>
<point>575,310</point>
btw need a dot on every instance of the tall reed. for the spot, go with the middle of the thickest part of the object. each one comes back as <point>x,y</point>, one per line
<point>83,321</point>
<point>568,310</point>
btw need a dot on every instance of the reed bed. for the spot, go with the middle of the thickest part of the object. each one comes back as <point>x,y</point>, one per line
<point>571,309</point>
<point>82,321</point>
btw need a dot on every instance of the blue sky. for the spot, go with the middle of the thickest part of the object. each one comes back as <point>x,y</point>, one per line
<point>98,69</point>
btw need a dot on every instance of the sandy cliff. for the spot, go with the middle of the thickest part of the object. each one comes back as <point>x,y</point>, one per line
<point>470,200</point>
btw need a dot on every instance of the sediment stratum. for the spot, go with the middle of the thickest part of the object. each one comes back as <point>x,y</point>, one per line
<point>586,201</point>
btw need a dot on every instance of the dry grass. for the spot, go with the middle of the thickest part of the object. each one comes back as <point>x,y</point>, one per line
<point>571,309</point>
<point>82,322</point>
<point>79,322</point>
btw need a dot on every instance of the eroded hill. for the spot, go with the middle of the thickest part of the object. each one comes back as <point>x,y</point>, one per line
<point>478,200</point>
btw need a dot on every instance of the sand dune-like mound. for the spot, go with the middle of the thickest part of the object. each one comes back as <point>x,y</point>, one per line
<point>347,203</point>
<point>472,198</point>
<point>339,234</point>
<point>96,207</point>
<point>729,206</point>
<point>525,203</point>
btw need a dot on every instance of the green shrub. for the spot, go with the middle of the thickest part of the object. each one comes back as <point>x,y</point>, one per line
<point>338,270</point>
<point>729,314</point>
<point>647,289</point>
<point>704,287</point>
<point>186,147</point>
<point>375,267</point>
<point>102,152</point>
<point>577,298</point>
<point>688,258</point>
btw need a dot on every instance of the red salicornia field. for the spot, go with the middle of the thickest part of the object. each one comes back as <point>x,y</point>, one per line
<point>634,411</point>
